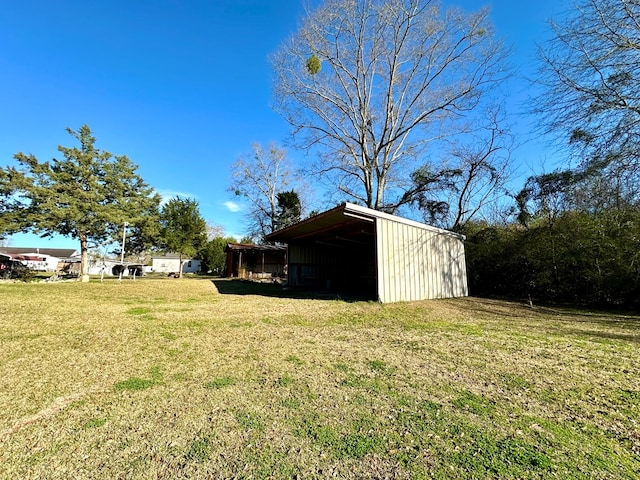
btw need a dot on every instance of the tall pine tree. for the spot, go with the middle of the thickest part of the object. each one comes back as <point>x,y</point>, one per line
<point>88,195</point>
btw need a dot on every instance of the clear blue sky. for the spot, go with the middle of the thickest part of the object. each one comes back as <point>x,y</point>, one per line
<point>181,87</point>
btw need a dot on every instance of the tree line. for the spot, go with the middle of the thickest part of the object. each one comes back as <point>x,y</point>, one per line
<point>558,251</point>
<point>575,231</point>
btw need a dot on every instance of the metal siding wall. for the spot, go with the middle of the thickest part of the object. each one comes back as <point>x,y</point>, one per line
<point>409,263</point>
<point>301,260</point>
<point>382,261</point>
<point>431,265</point>
<point>402,282</point>
<point>424,262</point>
<point>440,286</point>
<point>460,264</point>
<point>395,241</point>
<point>413,262</point>
<point>418,264</point>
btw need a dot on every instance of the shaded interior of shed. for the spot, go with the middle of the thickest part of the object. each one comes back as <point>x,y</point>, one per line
<point>334,252</point>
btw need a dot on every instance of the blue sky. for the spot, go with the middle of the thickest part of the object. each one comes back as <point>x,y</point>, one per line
<point>181,87</point>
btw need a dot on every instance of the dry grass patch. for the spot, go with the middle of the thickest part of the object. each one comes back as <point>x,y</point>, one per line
<point>172,379</point>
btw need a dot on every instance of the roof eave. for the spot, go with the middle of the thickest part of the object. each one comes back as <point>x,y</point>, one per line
<point>273,236</point>
<point>363,213</point>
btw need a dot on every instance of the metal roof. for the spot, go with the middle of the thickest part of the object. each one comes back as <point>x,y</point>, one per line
<point>52,252</point>
<point>343,219</point>
<point>171,256</point>
<point>252,247</point>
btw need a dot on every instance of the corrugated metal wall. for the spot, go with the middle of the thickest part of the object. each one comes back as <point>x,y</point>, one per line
<point>417,264</point>
<point>304,265</point>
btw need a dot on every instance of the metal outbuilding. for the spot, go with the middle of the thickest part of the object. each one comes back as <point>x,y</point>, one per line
<point>356,250</point>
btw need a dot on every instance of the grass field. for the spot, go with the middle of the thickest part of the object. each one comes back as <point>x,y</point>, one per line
<point>199,379</point>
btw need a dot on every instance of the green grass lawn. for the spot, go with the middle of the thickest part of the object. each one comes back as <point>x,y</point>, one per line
<point>165,378</point>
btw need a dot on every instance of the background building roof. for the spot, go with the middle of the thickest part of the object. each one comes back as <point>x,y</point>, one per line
<point>52,252</point>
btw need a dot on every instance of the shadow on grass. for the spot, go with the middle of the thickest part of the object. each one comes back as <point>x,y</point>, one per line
<point>228,286</point>
<point>589,323</point>
<point>608,325</point>
<point>605,336</point>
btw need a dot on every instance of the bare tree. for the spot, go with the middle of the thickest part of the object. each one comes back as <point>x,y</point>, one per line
<point>484,163</point>
<point>370,84</point>
<point>468,178</point>
<point>591,78</point>
<point>214,231</point>
<point>259,177</point>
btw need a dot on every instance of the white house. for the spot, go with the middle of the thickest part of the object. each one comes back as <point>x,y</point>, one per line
<point>170,263</point>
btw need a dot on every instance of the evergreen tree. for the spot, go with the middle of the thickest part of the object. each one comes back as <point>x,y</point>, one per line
<point>289,209</point>
<point>213,257</point>
<point>88,195</point>
<point>183,230</point>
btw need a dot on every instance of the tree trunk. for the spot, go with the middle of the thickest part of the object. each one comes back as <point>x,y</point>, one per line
<point>84,258</point>
<point>180,267</point>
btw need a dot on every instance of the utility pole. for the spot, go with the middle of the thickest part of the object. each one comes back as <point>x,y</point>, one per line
<point>124,236</point>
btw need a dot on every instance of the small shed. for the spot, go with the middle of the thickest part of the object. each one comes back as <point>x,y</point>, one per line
<point>356,250</point>
<point>246,260</point>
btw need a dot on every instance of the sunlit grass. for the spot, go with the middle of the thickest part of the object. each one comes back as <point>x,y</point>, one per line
<point>172,379</point>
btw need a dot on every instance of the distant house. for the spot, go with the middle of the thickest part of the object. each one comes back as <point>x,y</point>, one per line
<point>67,261</point>
<point>170,263</point>
<point>245,260</point>
<point>41,259</point>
